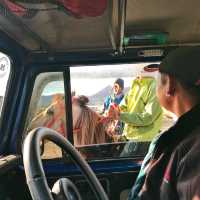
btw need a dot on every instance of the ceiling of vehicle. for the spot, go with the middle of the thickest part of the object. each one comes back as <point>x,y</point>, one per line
<point>74,25</point>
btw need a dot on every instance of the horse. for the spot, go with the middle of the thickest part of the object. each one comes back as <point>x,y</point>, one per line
<point>89,127</point>
<point>52,117</point>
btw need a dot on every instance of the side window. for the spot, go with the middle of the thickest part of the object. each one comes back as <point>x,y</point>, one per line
<point>115,110</point>
<point>47,109</point>
<point>4,75</point>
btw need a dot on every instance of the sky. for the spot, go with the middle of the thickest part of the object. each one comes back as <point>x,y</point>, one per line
<point>89,80</point>
<point>86,80</point>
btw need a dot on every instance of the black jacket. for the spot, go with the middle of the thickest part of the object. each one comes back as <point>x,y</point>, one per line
<point>173,171</point>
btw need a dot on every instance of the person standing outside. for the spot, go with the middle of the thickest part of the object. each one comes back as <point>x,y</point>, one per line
<point>140,110</point>
<point>113,100</point>
<point>116,96</point>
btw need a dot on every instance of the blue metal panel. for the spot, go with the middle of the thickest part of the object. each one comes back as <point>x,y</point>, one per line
<point>58,167</point>
<point>98,167</point>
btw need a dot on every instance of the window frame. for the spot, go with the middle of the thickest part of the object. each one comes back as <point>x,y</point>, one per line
<point>63,69</point>
<point>67,93</point>
<point>29,78</point>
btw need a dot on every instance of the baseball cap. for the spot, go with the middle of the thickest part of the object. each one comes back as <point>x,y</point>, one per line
<point>184,64</point>
<point>151,68</point>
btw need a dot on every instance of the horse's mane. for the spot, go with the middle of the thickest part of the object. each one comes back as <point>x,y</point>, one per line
<point>89,128</point>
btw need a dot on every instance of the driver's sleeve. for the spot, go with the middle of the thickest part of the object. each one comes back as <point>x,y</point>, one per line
<point>181,177</point>
<point>133,195</point>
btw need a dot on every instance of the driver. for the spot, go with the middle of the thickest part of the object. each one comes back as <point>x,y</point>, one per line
<point>171,168</point>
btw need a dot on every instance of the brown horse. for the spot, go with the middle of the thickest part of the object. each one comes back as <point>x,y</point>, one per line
<point>88,126</point>
<point>52,117</point>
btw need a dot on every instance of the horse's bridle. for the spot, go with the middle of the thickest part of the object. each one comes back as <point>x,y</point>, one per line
<point>54,119</point>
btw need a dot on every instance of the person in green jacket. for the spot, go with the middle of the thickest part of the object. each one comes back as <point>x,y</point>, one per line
<point>140,109</point>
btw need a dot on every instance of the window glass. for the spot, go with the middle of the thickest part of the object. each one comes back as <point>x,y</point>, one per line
<point>47,109</point>
<point>4,74</point>
<point>126,90</point>
<point>115,110</point>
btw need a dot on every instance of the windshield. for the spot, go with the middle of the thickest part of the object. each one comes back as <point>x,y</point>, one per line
<point>94,89</point>
<point>4,74</point>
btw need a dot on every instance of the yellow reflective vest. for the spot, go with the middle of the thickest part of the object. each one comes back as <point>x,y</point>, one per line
<point>141,111</point>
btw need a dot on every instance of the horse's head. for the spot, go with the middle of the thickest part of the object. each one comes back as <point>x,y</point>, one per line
<point>86,123</point>
<point>52,117</point>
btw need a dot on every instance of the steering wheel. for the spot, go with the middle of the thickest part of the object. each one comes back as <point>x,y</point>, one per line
<point>34,171</point>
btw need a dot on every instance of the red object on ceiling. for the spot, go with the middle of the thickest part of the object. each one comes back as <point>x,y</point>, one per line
<point>85,8</point>
<point>76,8</point>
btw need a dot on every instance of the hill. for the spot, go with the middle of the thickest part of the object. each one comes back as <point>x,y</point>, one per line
<point>99,97</point>
<point>96,99</point>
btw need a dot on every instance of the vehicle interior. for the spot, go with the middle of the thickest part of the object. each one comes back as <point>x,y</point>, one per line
<point>54,50</point>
